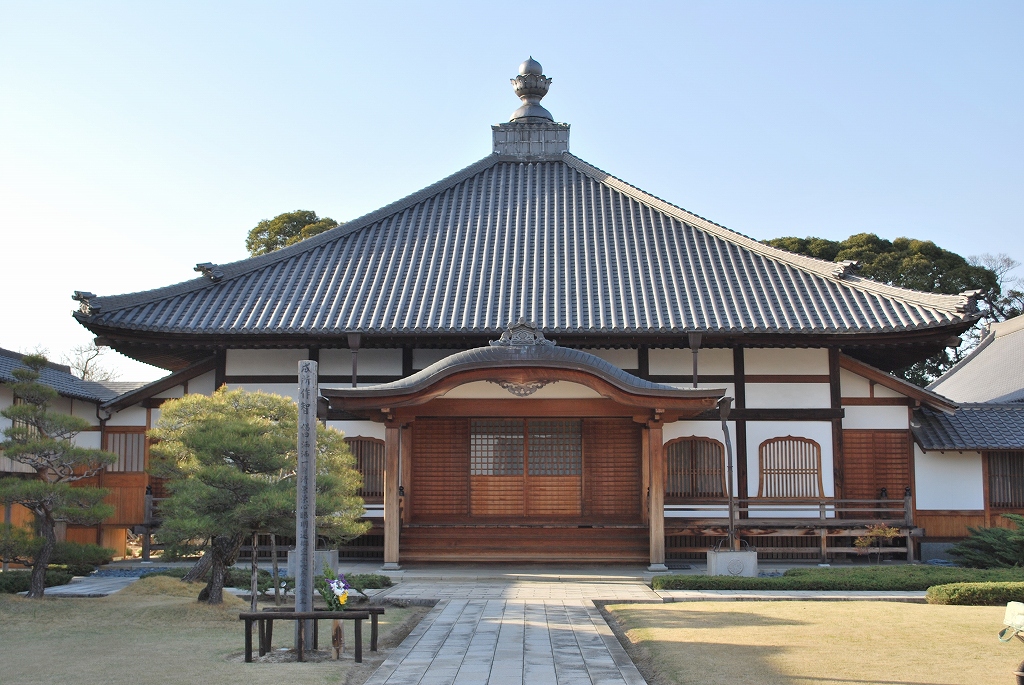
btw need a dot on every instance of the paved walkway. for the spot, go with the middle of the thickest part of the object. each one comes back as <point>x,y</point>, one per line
<point>509,642</point>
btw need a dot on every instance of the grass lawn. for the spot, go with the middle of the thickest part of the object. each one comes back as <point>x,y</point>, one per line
<point>155,631</point>
<point>819,643</point>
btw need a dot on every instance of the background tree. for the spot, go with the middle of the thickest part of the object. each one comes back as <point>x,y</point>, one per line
<point>44,440</point>
<point>84,362</point>
<point>231,460</point>
<point>920,265</point>
<point>286,229</point>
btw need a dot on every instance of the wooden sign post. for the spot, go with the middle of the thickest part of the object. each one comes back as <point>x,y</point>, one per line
<point>305,495</point>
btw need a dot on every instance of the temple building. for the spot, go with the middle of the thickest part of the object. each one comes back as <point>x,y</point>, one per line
<point>529,359</point>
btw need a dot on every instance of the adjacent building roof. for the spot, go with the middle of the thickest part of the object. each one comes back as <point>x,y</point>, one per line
<point>529,231</point>
<point>60,378</point>
<point>971,427</point>
<point>993,371</point>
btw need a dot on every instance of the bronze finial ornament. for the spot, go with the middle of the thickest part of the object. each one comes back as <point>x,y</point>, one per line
<point>531,85</point>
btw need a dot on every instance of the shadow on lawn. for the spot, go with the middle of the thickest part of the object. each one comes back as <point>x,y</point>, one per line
<point>714,620</point>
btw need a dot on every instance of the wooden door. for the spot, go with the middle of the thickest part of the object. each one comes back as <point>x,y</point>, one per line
<point>440,471</point>
<point>613,456</point>
<point>875,459</point>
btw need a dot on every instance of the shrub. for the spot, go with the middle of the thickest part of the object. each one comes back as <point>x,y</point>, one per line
<point>18,581</point>
<point>976,594</point>
<point>992,547</point>
<point>368,581</point>
<point>875,578</point>
<point>80,559</point>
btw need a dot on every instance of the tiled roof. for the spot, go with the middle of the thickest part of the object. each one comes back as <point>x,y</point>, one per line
<point>554,240</point>
<point>60,378</point>
<point>993,372</point>
<point>971,427</point>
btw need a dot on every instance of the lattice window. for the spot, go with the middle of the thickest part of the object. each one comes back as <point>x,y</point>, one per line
<point>369,454</point>
<point>555,448</point>
<point>130,448</point>
<point>696,468</point>
<point>1006,479</point>
<point>790,467</point>
<point>496,447</point>
<point>32,431</point>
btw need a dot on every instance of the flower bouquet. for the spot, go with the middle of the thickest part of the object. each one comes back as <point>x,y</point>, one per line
<point>334,590</point>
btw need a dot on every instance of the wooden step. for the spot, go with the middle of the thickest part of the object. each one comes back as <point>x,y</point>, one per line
<point>508,543</point>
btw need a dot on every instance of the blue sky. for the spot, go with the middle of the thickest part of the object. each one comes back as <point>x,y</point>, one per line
<point>137,139</point>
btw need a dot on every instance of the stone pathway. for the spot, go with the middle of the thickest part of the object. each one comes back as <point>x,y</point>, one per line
<point>509,642</point>
<point>89,587</point>
<point>627,592</point>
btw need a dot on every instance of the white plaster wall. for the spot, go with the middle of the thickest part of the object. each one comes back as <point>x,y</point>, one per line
<point>948,480</point>
<point>264,362</point>
<point>359,429</point>
<point>6,400</point>
<point>679,362</point>
<point>493,391</point>
<point>203,385</point>
<point>84,410</point>
<point>171,393</point>
<point>882,391</point>
<point>89,440</point>
<point>788,396</point>
<point>771,361</point>
<point>421,359</point>
<point>624,359</point>
<point>134,415</point>
<point>853,385</point>
<point>285,389</point>
<point>372,362</point>
<point>819,431</point>
<point>877,418</point>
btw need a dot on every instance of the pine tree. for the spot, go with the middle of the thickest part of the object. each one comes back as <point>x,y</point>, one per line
<point>993,547</point>
<point>231,460</point>
<point>44,440</point>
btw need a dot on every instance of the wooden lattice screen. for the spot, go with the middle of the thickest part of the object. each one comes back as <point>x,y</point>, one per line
<point>130,448</point>
<point>369,454</point>
<point>790,467</point>
<point>696,469</point>
<point>1006,479</point>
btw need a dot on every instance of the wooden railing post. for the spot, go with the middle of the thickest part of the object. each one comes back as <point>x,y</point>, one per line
<point>391,510</point>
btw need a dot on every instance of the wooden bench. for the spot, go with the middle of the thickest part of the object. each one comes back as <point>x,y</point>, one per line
<point>265,622</point>
<point>374,612</point>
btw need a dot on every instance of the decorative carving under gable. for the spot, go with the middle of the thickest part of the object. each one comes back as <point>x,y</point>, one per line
<point>521,389</point>
<point>522,332</point>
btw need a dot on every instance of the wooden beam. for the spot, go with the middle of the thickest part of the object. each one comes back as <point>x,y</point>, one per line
<point>657,516</point>
<point>392,444</point>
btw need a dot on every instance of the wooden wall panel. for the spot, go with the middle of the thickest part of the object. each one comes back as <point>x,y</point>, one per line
<point>440,471</point>
<point>129,503</point>
<point>553,496</point>
<point>85,535</point>
<point>612,469</point>
<point>948,524</point>
<point>876,459</point>
<point>496,496</point>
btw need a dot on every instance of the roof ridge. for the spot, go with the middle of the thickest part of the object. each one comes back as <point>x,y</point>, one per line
<point>248,264</point>
<point>821,267</point>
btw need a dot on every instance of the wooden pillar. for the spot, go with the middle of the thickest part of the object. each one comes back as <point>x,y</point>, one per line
<point>657,497</point>
<point>392,444</point>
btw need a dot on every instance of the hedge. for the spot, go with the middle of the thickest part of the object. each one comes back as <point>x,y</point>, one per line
<point>18,581</point>
<point>976,594</point>
<point>876,578</point>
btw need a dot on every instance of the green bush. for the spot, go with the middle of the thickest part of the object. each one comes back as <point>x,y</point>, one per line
<point>18,581</point>
<point>368,581</point>
<point>976,594</point>
<point>234,576</point>
<point>79,555</point>
<point>875,578</point>
<point>992,547</point>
